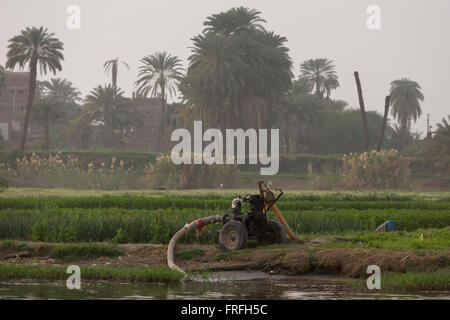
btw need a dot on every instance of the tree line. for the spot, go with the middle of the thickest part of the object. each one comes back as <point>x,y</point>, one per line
<point>239,75</point>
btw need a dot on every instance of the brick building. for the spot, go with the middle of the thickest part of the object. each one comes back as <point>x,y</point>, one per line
<point>13,99</point>
<point>149,135</point>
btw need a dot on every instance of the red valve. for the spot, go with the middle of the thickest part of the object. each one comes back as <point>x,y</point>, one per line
<point>200,226</point>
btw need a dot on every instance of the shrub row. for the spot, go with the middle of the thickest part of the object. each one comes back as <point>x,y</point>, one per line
<point>153,203</point>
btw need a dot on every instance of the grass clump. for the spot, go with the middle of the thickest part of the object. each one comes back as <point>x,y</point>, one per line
<point>421,240</point>
<point>420,281</point>
<point>409,281</point>
<point>137,274</point>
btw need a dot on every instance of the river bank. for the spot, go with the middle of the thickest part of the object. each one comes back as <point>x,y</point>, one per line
<point>147,262</point>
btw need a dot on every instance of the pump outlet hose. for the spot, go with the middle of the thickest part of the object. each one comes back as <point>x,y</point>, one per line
<point>280,218</point>
<point>197,225</point>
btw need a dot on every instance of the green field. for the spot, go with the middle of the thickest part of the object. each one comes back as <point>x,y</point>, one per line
<point>70,220</point>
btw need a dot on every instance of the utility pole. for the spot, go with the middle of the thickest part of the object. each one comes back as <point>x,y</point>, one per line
<point>428,127</point>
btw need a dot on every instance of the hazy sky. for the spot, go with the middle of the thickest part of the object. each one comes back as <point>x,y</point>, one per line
<point>413,41</point>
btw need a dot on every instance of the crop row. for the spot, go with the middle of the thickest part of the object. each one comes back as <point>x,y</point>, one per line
<point>158,226</point>
<point>153,203</point>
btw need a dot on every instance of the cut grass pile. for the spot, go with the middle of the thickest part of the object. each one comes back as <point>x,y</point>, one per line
<point>65,252</point>
<point>225,255</point>
<point>77,251</point>
<point>189,254</point>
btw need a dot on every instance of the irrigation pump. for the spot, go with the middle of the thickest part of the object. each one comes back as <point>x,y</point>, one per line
<point>240,226</point>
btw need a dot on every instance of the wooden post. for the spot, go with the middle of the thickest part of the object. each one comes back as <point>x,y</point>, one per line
<point>386,112</point>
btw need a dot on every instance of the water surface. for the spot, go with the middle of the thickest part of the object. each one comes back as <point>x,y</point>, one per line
<point>224,285</point>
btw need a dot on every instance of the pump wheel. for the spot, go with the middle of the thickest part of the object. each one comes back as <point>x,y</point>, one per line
<point>274,233</point>
<point>233,236</point>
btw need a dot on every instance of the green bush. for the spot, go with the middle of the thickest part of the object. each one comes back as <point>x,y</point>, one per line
<point>121,236</point>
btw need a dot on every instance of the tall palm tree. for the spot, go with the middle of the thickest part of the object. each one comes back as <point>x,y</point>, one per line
<point>112,66</point>
<point>118,116</point>
<point>159,75</point>
<point>406,97</point>
<point>320,75</point>
<point>35,47</point>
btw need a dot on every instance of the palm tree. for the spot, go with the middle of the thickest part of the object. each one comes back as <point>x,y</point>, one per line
<point>406,97</point>
<point>320,75</point>
<point>216,73</point>
<point>234,20</point>
<point>58,103</point>
<point>112,66</point>
<point>237,70</point>
<point>297,115</point>
<point>107,105</point>
<point>2,76</point>
<point>63,93</point>
<point>439,145</point>
<point>159,74</point>
<point>35,47</point>
<point>46,112</point>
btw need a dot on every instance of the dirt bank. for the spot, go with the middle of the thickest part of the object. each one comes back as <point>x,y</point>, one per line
<point>286,259</point>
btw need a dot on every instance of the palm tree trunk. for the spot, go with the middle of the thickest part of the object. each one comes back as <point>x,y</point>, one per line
<point>30,98</point>
<point>404,130</point>
<point>46,138</point>
<point>114,75</point>
<point>163,94</point>
<point>363,109</point>
<point>318,94</point>
<point>386,112</point>
<point>287,137</point>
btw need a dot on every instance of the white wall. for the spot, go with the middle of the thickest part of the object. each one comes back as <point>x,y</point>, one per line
<point>4,128</point>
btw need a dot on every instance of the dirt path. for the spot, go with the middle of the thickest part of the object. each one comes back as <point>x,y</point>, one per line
<point>285,259</point>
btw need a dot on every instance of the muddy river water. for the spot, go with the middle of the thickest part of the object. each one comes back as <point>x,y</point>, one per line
<point>223,285</point>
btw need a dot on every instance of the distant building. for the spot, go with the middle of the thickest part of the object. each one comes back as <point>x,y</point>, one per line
<point>149,135</point>
<point>13,99</point>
